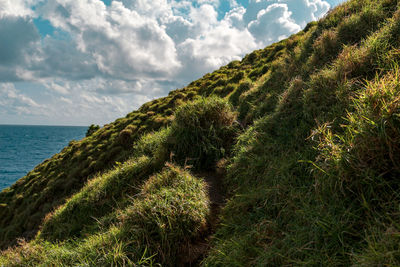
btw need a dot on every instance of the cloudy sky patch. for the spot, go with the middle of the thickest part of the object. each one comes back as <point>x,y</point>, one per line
<point>77,62</point>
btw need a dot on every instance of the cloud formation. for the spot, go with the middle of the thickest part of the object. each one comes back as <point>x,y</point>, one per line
<point>132,49</point>
<point>279,21</point>
<point>14,103</point>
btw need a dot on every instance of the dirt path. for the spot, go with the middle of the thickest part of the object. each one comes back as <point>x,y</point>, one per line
<point>215,189</point>
<point>196,250</point>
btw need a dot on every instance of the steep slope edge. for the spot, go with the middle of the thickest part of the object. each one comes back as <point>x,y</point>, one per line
<point>305,132</point>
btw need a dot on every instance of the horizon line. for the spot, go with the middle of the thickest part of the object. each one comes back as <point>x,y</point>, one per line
<point>48,125</point>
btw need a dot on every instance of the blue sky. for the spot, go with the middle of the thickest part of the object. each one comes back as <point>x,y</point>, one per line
<point>77,62</point>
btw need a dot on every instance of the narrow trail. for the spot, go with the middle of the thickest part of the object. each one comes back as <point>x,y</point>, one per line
<point>195,251</point>
<point>214,182</point>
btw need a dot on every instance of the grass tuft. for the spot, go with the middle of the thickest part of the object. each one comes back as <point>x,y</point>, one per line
<point>202,132</point>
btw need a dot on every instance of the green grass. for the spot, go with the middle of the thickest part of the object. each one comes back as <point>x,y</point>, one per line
<point>202,132</point>
<point>97,199</point>
<point>306,133</point>
<point>169,212</point>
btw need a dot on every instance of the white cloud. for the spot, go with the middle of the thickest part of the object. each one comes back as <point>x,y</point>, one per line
<point>100,108</point>
<point>153,9</point>
<point>273,23</point>
<point>16,7</point>
<point>17,35</point>
<point>215,43</point>
<point>61,89</point>
<point>121,42</point>
<point>304,11</point>
<point>104,61</point>
<point>235,17</point>
<point>221,45</point>
<point>204,17</point>
<point>13,101</point>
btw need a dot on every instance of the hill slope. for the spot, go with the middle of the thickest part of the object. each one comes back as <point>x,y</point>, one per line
<point>306,134</point>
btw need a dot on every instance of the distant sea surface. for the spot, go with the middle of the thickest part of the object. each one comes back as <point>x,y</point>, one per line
<point>23,147</point>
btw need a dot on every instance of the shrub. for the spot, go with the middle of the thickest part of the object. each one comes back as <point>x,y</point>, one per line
<point>202,132</point>
<point>125,137</point>
<point>243,87</point>
<point>219,82</point>
<point>92,128</point>
<point>237,77</point>
<point>222,91</point>
<point>171,212</point>
<point>97,198</point>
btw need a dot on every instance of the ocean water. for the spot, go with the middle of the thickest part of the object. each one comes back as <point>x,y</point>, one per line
<point>23,147</point>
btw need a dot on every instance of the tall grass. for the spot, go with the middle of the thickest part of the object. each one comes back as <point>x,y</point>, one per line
<point>169,213</point>
<point>202,132</point>
<point>306,130</point>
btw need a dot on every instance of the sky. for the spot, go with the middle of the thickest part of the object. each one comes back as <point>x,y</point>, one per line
<point>82,62</point>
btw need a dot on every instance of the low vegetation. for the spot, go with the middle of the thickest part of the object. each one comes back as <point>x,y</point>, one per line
<point>305,132</point>
<point>168,213</point>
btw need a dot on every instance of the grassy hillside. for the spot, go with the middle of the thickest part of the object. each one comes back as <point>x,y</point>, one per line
<point>304,133</point>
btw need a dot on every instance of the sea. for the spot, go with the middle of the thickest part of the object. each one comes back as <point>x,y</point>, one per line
<point>22,147</point>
